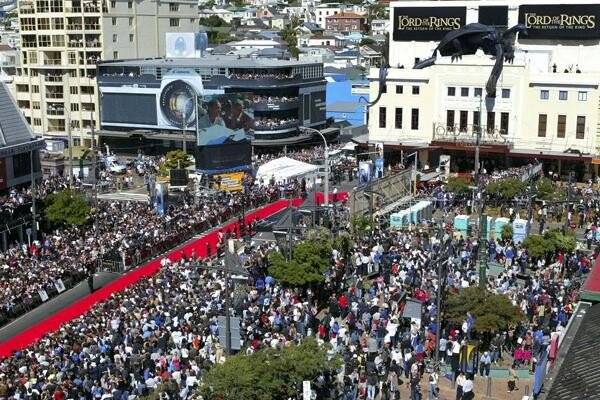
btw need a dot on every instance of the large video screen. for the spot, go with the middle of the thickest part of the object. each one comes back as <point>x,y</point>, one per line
<point>225,129</point>
<point>129,108</point>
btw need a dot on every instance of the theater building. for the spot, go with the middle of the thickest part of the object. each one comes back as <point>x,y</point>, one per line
<point>287,95</point>
<point>547,100</point>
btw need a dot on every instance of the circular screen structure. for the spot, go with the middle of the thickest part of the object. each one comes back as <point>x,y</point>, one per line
<point>177,103</point>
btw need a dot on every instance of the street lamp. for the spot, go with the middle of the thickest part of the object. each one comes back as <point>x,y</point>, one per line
<point>307,129</point>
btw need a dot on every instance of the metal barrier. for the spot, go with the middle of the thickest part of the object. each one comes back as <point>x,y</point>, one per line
<point>389,189</point>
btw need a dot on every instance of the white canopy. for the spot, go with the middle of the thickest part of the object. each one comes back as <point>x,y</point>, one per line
<point>284,169</point>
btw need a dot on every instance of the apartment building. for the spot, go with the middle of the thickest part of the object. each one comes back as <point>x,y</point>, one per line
<point>346,22</point>
<point>547,101</point>
<point>62,40</point>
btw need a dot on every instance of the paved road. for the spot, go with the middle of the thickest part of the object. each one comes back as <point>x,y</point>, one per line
<point>54,305</point>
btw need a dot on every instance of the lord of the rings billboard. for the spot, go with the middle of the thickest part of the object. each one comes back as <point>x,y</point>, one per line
<point>467,135</point>
<point>560,21</point>
<point>426,23</point>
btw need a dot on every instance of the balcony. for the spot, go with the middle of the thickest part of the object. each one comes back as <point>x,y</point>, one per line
<point>92,27</point>
<point>53,79</point>
<point>74,27</point>
<point>467,135</point>
<point>276,104</point>
<point>253,81</point>
<point>267,125</point>
<point>52,61</point>
<point>55,111</point>
<point>54,95</point>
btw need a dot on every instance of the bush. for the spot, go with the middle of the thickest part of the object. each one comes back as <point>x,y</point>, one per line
<point>67,207</point>
<point>506,189</point>
<point>458,186</point>
<point>310,260</point>
<point>507,232</point>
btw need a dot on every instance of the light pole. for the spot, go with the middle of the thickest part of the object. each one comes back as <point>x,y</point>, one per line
<point>416,154</point>
<point>304,128</point>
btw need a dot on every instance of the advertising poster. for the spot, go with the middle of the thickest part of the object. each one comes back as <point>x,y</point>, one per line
<point>426,23</point>
<point>364,172</point>
<point>379,168</point>
<point>225,129</point>
<point>560,21</point>
<point>230,182</point>
<point>160,198</point>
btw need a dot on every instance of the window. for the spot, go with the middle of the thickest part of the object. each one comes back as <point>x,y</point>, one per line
<point>506,93</point>
<point>398,121</point>
<point>74,107</point>
<point>173,22</point>
<point>131,37</point>
<point>544,94</point>
<point>384,88</point>
<point>114,21</point>
<point>491,122</point>
<point>561,126</point>
<point>173,7</point>
<point>35,105</point>
<point>382,116</point>
<point>115,55</point>
<point>582,96</point>
<point>580,130</point>
<point>35,89</point>
<point>37,122</point>
<point>130,21</point>
<point>504,123</point>
<point>562,95</point>
<point>463,121</point>
<point>450,120</point>
<point>476,120</point>
<point>464,92</point>
<point>113,4</point>
<point>73,90</point>
<point>451,91</point>
<point>114,38</point>
<point>399,89</point>
<point>542,123</point>
<point>414,119</point>
<point>415,90</point>
<point>478,92</point>
<point>130,4</point>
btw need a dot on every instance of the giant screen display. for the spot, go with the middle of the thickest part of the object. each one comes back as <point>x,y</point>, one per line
<point>560,21</point>
<point>426,23</point>
<point>225,129</point>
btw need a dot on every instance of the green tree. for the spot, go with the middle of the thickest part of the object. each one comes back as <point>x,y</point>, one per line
<point>507,232</point>
<point>565,243</point>
<point>67,207</point>
<point>506,189</point>
<point>492,312</point>
<point>175,159</point>
<point>343,244</point>
<point>214,22</point>
<point>545,189</point>
<point>310,260</point>
<point>458,186</point>
<point>538,246</point>
<point>268,374</point>
<point>289,36</point>
<point>366,41</point>
<point>361,224</point>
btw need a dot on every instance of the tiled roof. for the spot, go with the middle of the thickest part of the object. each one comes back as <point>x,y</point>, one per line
<point>346,15</point>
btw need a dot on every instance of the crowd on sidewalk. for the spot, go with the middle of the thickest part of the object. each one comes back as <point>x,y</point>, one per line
<point>127,232</point>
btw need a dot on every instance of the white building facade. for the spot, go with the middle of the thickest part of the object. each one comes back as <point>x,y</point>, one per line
<point>547,101</point>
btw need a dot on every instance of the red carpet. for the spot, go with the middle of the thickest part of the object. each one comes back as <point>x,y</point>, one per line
<point>339,197</point>
<point>81,306</point>
<point>592,283</point>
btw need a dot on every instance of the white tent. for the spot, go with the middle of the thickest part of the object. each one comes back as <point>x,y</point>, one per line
<point>284,169</point>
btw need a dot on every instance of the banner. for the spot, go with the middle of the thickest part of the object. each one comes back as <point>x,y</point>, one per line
<point>496,16</point>
<point>43,295</point>
<point>160,198</point>
<point>426,23</point>
<point>231,182</point>
<point>379,168</point>
<point>59,285</point>
<point>225,128</point>
<point>364,172</point>
<point>560,21</point>
<point>178,91</point>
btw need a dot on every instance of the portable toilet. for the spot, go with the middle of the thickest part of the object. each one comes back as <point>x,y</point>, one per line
<point>488,230</point>
<point>415,213</point>
<point>520,227</point>
<point>498,225</point>
<point>461,225</point>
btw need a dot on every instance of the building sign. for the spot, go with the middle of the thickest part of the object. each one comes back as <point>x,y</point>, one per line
<point>426,23</point>
<point>560,21</point>
<point>496,16</point>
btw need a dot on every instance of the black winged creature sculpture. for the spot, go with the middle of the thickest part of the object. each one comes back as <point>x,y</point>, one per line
<point>469,38</point>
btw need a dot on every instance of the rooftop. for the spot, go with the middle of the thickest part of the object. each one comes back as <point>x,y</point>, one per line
<point>214,61</point>
<point>346,15</point>
<point>14,129</point>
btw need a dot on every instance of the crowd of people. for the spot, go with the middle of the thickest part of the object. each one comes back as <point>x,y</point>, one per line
<point>267,123</point>
<point>273,99</point>
<point>260,75</point>
<point>125,232</point>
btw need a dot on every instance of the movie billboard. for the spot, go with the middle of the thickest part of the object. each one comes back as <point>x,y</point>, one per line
<point>364,172</point>
<point>560,21</point>
<point>177,98</point>
<point>225,128</point>
<point>426,23</point>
